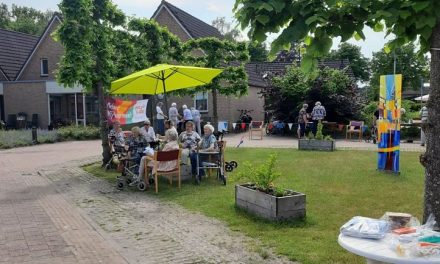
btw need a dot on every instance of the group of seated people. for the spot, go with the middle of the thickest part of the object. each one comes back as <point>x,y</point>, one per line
<point>189,140</point>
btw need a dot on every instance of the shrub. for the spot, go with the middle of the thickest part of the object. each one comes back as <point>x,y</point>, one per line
<point>78,133</point>
<point>20,138</point>
<point>319,135</point>
<point>263,176</point>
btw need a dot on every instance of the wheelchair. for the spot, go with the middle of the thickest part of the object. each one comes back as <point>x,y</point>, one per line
<point>117,153</point>
<point>219,163</point>
<point>130,171</point>
<point>229,165</point>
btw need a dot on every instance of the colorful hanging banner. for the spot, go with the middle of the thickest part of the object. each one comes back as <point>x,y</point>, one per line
<point>233,125</point>
<point>126,111</point>
<point>290,125</point>
<point>388,124</point>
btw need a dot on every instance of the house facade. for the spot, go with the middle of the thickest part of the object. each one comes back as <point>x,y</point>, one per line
<point>186,27</point>
<point>28,88</point>
<point>28,85</point>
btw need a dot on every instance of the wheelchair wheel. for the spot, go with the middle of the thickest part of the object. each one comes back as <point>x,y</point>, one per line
<point>107,167</point>
<point>120,185</point>
<point>229,168</point>
<point>142,186</point>
<point>234,164</point>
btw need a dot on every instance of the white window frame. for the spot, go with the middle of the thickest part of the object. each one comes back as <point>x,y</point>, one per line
<point>41,67</point>
<point>202,94</point>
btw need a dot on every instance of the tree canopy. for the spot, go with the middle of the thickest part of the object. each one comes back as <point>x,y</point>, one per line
<point>358,63</point>
<point>24,19</point>
<point>100,46</point>
<point>220,54</point>
<point>226,28</point>
<point>414,68</point>
<point>286,94</point>
<point>318,22</point>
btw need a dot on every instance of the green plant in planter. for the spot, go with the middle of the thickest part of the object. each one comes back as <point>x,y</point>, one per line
<point>328,137</point>
<point>319,135</point>
<point>262,176</point>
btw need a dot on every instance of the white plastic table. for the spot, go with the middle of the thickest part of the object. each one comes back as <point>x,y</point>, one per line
<point>377,251</point>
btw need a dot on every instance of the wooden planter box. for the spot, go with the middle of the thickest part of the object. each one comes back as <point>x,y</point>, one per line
<point>269,206</point>
<point>314,144</point>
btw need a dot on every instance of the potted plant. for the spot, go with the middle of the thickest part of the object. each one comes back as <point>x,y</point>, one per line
<point>317,142</point>
<point>260,197</point>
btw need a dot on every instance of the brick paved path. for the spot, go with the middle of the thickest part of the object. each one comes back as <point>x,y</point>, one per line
<point>275,141</point>
<point>51,211</point>
<point>37,224</point>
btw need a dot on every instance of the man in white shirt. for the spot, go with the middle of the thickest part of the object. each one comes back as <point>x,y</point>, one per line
<point>148,132</point>
<point>187,116</point>
<point>160,117</point>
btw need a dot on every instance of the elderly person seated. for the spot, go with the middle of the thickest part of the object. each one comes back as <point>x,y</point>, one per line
<point>116,135</point>
<point>207,144</point>
<point>147,131</point>
<point>188,139</point>
<point>168,125</point>
<point>171,144</point>
<point>136,144</point>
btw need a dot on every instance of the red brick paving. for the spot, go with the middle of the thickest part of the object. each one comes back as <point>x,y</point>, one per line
<point>37,225</point>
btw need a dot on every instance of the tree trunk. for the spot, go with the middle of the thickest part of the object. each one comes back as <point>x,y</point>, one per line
<point>214,107</point>
<point>431,158</point>
<point>106,155</point>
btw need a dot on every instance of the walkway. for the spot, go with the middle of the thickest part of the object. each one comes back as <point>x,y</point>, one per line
<point>275,141</point>
<point>51,211</point>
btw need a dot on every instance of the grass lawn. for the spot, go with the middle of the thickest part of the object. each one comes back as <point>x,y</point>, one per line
<point>338,185</point>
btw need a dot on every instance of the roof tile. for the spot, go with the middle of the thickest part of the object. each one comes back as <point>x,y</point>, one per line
<point>196,27</point>
<point>15,48</point>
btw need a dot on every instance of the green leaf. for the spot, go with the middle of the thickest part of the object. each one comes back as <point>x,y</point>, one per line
<point>419,6</point>
<point>266,6</point>
<point>426,32</point>
<point>359,35</point>
<point>387,48</point>
<point>308,63</point>
<point>295,31</point>
<point>378,27</point>
<point>431,21</point>
<point>311,19</point>
<point>308,40</point>
<point>382,13</point>
<point>263,19</point>
<point>404,14</point>
<point>278,5</point>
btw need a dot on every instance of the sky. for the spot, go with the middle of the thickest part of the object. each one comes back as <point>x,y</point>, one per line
<point>206,10</point>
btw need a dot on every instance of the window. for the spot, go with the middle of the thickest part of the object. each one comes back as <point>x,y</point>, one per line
<point>201,101</point>
<point>44,69</point>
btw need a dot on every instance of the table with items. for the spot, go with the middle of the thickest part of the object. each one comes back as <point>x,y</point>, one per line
<point>395,238</point>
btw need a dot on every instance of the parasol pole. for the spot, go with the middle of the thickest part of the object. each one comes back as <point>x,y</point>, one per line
<point>165,93</point>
